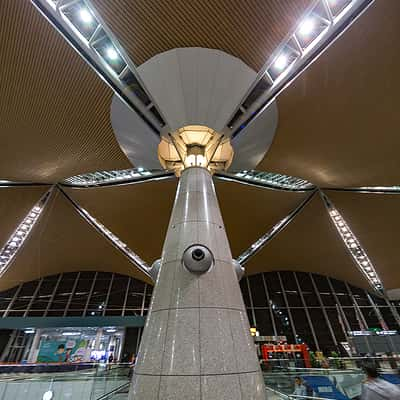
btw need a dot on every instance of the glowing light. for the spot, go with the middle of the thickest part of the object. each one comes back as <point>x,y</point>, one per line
<point>281,62</point>
<point>112,54</point>
<point>306,27</point>
<point>86,16</point>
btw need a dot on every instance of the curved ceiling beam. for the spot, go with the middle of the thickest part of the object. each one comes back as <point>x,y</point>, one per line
<point>353,245</point>
<point>317,29</point>
<point>263,240</point>
<point>130,254</point>
<point>83,28</point>
<point>119,177</point>
<point>267,180</point>
<point>17,239</point>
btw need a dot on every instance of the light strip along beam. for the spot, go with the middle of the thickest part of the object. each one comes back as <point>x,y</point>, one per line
<point>17,239</point>
<point>267,179</point>
<point>115,241</point>
<point>82,27</point>
<point>116,177</point>
<point>353,245</point>
<point>323,23</point>
<point>263,240</point>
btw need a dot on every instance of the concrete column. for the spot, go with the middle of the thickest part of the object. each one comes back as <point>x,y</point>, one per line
<point>33,352</point>
<point>196,343</point>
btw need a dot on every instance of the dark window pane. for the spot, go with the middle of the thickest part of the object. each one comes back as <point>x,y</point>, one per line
<point>303,329</point>
<point>389,318</point>
<point>341,292</point>
<point>325,340</point>
<point>81,293</point>
<point>257,291</point>
<point>274,289</point>
<point>291,289</point>
<point>6,297</point>
<point>360,296</point>
<point>282,323</point>
<point>245,292</point>
<point>324,290</point>
<point>307,288</point>
<point>370,317</point>
<point>352,318</point>
<point>264,324</point>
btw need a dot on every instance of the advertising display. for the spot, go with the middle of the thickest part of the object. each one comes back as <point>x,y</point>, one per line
<point>62,350</point>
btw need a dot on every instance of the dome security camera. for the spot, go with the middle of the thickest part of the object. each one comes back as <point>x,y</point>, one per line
<point>197,259</point>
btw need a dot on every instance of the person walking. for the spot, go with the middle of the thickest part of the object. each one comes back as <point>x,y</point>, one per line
<point>299,388</point>
<point>376,388</point>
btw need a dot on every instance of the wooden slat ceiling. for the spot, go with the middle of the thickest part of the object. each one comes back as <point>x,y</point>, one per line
<point>310,243</point>
<point>62,241</point>
<point>15,203</point>
<point>138,214</point>
<point>375,220</point>
<point>54,110</point>
<point>249,30</point>
<point>339,121</point>
<point>250,212</point>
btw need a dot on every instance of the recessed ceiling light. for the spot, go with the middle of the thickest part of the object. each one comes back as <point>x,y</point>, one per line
<point>306,27</point>
<point>85,15</point>
<point>281,62</point>
<point>112,54</point>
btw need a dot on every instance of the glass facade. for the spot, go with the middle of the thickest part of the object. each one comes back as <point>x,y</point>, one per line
<point>313,309</point>
<point>304,307</point>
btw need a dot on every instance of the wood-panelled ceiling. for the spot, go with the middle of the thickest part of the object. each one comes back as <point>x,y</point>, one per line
<point>310,243</point>
<point>138,214</point>
<point>15,204</point>
<point>249,30</point>
<point>250,212</point>
<point>339,121</point>
<point>54,110</point>
<point>62,241</point>
<point>375,220</point>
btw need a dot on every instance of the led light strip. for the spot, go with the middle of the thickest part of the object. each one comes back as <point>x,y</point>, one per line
<point>353,245</point>
<point>17,239</point>
<point>100,178</point>
<point>323,23</point>
<point>82,26</point>
<point>132,256</point>
<point>263,240</point>
<point>278,181</point>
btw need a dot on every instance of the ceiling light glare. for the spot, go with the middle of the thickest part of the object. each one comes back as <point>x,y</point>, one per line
<point>354,247</point>
<point>112,54</point>
<point>306,27</point>
<point>85,16</point>
<point>281,62</point>
<point>16,240</point>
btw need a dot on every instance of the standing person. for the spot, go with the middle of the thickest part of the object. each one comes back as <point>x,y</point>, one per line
<point>110,360</point>
<point>376,388</point>
<point>299,388</point>
<point>132,365</point>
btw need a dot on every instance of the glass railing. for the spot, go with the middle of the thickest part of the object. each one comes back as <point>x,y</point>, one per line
<point>65,381</point>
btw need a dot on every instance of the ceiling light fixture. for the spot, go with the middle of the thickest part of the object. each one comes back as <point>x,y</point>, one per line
<point>112,54</point>
<point>86,16</point>
<point>306,27</point>
<point>353,245</point>
<point>17,239</point>
<point>281,62</point>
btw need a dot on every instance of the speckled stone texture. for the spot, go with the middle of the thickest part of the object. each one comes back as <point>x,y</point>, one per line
<point>196,343</point>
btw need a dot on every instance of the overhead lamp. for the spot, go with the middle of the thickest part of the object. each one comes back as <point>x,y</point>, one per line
<point>306,27</point>
<point>85,16</point>
<point>71,333</point>
<point>281,62</point>
<point>112,54</point>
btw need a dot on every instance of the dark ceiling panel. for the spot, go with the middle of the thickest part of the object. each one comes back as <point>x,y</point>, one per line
<point>338,123</point>
<point>54,110</point>
<point>15,204</point>
<point>375,220</point>
<point>62,241</point>
<point>310,243</point>
<point>250,212</point>
<point>249,30</point>
<point>138,214</point>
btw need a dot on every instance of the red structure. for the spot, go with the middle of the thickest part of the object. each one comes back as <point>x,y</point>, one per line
<point>292,351</point>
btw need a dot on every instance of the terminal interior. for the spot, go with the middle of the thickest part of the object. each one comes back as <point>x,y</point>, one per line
<point>199,200</point>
